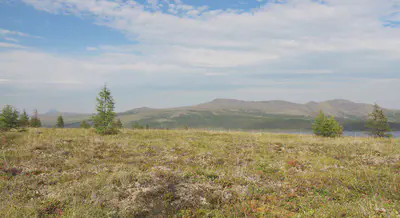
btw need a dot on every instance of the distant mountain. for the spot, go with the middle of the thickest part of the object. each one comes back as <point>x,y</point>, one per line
<point>342,108</point>
<point>52,112</point>
<point>337,107</point>
<point>49,119</point>
<point>137,110</point>
<point>237,114</point>
<point>271,107</point>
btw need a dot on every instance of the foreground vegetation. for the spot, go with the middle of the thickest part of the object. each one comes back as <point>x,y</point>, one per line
<point>160,173</point>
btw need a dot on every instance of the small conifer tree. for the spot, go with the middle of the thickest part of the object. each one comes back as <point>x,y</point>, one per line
<point>326,126</point>
<point>136,125</point>
<point>9,118</point>
<point>85,125</point>
<point>377,124</point>
<point>104,119</point>
<point>118,124</point>
<point>24,120</point>
<point>60,122</point>
<point>35,120</point>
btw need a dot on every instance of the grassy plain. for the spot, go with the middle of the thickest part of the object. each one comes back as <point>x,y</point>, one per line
<point>171,173</point>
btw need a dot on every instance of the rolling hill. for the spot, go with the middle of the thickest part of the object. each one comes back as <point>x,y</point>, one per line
<point>337,108</point>
<point>237,114</point>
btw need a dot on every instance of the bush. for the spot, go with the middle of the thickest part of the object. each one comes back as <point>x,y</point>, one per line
<point>85,125</point>
<point>136,125</point>
<point>118,124</point>
<point>327,126</point>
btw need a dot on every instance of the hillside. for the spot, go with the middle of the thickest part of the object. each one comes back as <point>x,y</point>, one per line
<point>338,108</point>
<point>159,173</point>
<point>236,114</point>
<point>69,118</point>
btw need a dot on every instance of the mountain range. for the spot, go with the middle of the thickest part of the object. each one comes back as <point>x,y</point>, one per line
<point>237,114</point>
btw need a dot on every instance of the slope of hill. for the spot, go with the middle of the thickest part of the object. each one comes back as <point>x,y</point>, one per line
<point>50,120</point>
<point>337,107</point>
<point>236,114</point>
<point>52,112</point>
<point>271,107</point>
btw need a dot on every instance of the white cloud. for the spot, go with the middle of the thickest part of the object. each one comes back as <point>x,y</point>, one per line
<point>10,45</point>
<point>276,30</point>
<point>300,37</point>
<point>304,71</point>
<point>11,39</point>
<point>91,48</point>
<point>34,69</point>
<point>215,74</point>
<point>5,32</point>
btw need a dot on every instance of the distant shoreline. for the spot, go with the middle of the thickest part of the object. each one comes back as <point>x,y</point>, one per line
<point>396,134</point>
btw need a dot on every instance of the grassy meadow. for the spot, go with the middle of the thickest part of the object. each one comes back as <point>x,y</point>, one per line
<point>172,173</point>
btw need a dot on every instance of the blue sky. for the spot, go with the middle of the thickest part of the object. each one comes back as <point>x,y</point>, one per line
<point>159,53</point>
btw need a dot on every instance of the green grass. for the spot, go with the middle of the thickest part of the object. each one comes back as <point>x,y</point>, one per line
<point>160,173</point>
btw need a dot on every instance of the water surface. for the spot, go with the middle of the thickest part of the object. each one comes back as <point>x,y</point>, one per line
<point>345,133</point>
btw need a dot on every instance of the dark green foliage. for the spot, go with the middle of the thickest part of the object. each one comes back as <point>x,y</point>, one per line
<point>24,120</point>
<point>35,120</point>
<point>186,127</point>
<point>147,126</point>
<point>104,119</point>
<point>136,125</point>
<point>326,126</point>
<point>60,122</point>
<point>9,118</point>
<point>377,124</point>
<point>118,124</point>
<point>85,125</point>
<point>226,120</point>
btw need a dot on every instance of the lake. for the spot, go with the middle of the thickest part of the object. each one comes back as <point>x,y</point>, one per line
<point>363,134</point>
<point>347,133</point>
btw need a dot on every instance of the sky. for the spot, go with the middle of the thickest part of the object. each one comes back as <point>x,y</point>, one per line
<point>57,54</point>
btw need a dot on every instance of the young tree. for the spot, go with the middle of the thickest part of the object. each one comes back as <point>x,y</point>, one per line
<point>104,119</point>
<point>35,120</point>
<point>85,125</point>
<point>60,122</point>
<point>24,120</point>
<point>377,124</point>
<point>118,124</point>
<point>326,126</point>
<point>147,126</point>
<point>136,125</point>
<point>9,118</point>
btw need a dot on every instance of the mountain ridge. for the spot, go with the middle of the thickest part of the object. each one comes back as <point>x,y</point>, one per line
<point>232,113</point>
<point>334,107</point>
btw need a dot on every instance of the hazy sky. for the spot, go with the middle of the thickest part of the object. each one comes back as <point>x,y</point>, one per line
<point>164,53</point>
